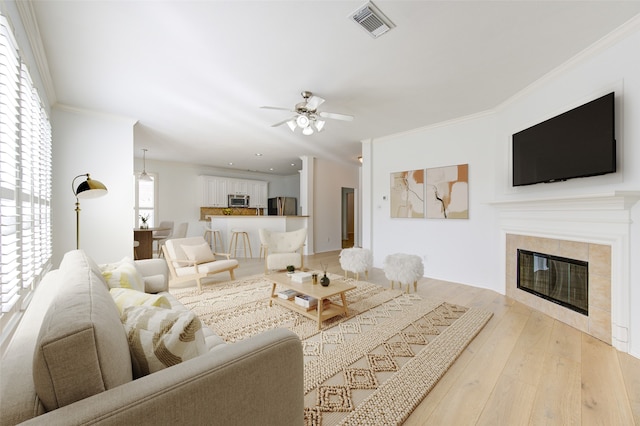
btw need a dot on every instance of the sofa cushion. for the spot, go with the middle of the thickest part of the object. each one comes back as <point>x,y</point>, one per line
<point>159,338</point>
<point>81,348</point>
<point>125,297</point>
<point>199,253</point>
<point>282,260</point>
<point>209,268</point>
<point>123,274</point>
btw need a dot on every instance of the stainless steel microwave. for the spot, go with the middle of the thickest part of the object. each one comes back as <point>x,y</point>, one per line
<point>236,200</point>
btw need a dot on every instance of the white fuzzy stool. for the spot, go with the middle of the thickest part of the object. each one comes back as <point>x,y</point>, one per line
<point>403,268</point>
<point>356,260</point>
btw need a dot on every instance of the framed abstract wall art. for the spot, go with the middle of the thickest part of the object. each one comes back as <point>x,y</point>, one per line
<point>448,192</point>
<point>407,194</point>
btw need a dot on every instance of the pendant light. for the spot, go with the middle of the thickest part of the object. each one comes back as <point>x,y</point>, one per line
<point>144,176</point>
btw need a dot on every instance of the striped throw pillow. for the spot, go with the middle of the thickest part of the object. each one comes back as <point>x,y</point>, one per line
<point>123,274</point>
<point>159,338</point>
<point>125,297</point>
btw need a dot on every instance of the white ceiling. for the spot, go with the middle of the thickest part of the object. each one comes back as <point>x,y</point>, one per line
<point>195,73</point>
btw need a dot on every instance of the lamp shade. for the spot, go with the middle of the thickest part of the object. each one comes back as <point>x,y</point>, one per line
<point>90,188</point>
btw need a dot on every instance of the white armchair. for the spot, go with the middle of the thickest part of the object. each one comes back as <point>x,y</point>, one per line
<point>282,249</point>
<point>191,259</point>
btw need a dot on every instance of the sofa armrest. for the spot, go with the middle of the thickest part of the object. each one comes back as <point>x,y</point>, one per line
<point>148,267</point>
<point>155,273</point>
<point>254,381</point>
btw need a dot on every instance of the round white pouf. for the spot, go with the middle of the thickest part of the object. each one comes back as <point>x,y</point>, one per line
<point>403,269</point>
<point>356,260</point>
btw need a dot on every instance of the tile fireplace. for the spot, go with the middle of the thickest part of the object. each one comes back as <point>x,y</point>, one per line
<point>596,316</point>
<point>591,228</point>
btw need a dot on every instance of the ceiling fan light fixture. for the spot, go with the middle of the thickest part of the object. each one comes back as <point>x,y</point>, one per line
<point>319,125</point>
<point>303,121</point>
<point>307,131</point>
<point>292,125</point>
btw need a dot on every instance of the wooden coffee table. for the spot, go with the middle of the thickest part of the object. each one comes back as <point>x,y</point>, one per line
<point>316,291</point>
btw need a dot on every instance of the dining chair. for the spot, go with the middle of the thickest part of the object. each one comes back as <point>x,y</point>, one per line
<point>161,236</point>
<point>181,230</point>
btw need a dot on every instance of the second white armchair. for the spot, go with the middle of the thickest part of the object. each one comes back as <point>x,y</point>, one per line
<point>282,249</point>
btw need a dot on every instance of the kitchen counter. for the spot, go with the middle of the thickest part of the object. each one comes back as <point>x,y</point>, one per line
<point>251,224</point>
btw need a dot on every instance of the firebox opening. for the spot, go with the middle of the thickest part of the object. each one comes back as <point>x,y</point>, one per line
<point>557,279</point>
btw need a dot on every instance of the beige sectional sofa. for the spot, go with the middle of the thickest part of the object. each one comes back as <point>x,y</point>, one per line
<point>69,363</point>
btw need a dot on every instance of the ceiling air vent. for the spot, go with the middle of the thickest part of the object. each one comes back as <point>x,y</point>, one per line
<point>372,20</point>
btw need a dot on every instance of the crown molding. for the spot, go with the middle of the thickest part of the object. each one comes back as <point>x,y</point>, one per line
<point>30,24</point>
<point>98,114</point>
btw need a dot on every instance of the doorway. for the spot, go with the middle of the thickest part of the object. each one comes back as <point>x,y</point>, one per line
<point>348,217</point>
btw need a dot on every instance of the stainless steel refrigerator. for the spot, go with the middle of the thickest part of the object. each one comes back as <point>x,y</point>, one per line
<point>283,206</point>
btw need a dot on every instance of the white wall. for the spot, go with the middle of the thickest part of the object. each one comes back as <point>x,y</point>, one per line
<point>102,146</point>
<point>328,180</point>
<point>468,251</point>
<point>285,186</point>
<point>455,250</point>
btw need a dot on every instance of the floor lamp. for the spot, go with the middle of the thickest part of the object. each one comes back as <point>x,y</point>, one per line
<point>89,188</point>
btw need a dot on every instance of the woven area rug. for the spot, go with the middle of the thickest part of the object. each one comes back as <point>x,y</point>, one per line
<point>372,368</point>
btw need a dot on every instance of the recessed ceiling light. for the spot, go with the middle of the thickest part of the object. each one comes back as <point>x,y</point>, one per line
<point>258,154</point>
<point>293,164</point>
<point>230,163</point>
<point>270,168</point>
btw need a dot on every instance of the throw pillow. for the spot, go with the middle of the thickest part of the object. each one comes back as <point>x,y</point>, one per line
<point>159,338</point>
<point>125,297</point>
<point>200,253</point>
<point>123,274</point>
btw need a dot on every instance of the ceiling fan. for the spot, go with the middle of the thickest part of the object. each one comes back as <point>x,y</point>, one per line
<point>307,115</point>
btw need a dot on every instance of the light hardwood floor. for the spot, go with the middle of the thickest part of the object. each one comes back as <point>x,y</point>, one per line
<point>523,368</point>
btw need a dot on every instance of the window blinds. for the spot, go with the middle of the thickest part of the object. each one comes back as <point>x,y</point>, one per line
<point>25,184</point>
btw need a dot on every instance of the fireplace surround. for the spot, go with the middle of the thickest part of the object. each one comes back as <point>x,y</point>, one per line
<point>594,228</point>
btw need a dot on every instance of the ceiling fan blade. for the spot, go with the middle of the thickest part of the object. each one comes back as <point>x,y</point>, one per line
<point>336,116</point>
<point>277,108</point>
<point>314,102</point>
<point>280,123</point>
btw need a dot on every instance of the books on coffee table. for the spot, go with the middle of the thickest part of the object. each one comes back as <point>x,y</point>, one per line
<point>310,302</point>
<point>300,277</point>
<point>287,294</point>
<point>306,301</point>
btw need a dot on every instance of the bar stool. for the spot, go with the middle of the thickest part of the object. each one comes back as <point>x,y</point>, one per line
<point>233,242</point>
<point>213,237</point>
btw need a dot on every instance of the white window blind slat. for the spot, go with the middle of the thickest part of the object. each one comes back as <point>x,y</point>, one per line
<point>25,184</point>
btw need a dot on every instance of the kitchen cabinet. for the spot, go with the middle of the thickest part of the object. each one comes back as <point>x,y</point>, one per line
<point>215,189</point>
<point>238,187</point>
<point>258,194</point>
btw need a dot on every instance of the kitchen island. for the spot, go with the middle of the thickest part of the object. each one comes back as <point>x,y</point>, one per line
<point>251,224</point>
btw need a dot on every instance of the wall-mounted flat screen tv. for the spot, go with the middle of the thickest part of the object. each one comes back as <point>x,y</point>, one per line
<point>578,143</point>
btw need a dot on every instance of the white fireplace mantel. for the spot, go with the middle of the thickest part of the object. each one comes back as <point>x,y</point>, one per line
<point>615,200</point>
<point>603,218</point>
